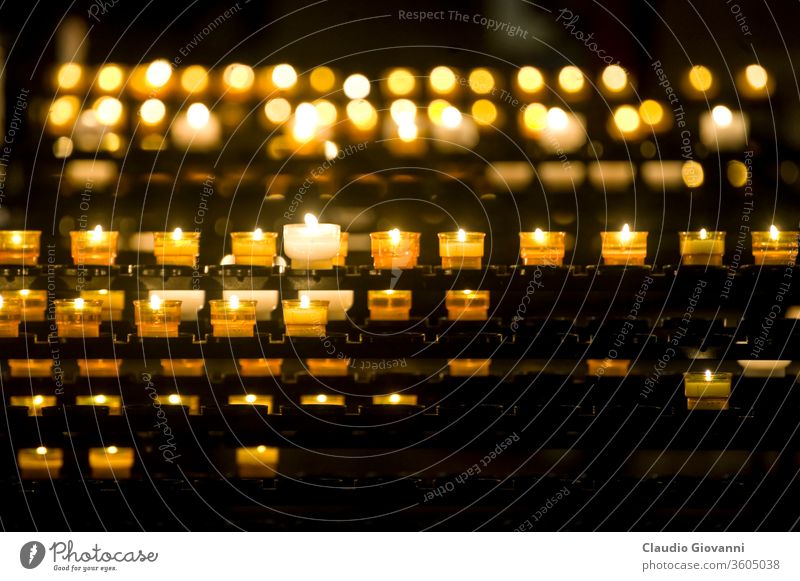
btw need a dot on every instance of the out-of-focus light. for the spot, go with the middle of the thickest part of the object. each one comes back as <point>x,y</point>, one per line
<point>322,79</point>
<point>700,78</point>
<point>108,110</point>
<point>651,112</point>
<point>194,79</point>
<point>326,112</point>
<point>278,110</point>
<point>570,79</point>
<point>174,399</point>
<point>484,112</point>
<point>615,78</point>
<point>306,119</point>
<point>451,117</point>
<point>481,81</point>
<point>356,86</point>
<point>284,76</point>
<point>626,118</point>
<point>435,110</point>
<point>152,111</point>
<point>442,80</point>
<point>557,119</point>
<point>401,82</point>
<point>197,115</point>
<point>63,147</point>
<point>63,110</point>
<point>238,77</point>
<point>111,142</point>
<point>692,174</point>
<point>756,76</point>
<point>109,78</point>
<point>737,173</point>
<point>535,117</point>
<point>362,114</point>
<point>407,131</point>
<point>158,73</point>
<point>403,111</point>
<point>331,150</point>
<point>722,116</point>
<point>530,79</point>
<point>69,75</point>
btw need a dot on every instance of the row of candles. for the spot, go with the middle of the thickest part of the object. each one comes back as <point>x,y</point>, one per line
<point>313,245</point>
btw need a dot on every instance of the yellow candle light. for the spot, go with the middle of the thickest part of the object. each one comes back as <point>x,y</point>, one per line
<point>111,462</point>
<point>311,245</point>
<point>99,367</point>
<point>10,317</point>
<point>469,367</point>
<point>395,249</point>
<point>176,248</point>
<point>34,303</point>
<point>394,399</point>
<point>182,368</point>
<point>775,247</point>
<point>467,305</point>
<point>701,248</point>
<point>112,402</point>
<point>250,399</point>
<point>257,462</point>
<point>625,247</point>
<point>233,317</point>
<point>539,248</point>
<point>461,249</point>
<point>94,247</point>
<point>40,463</point>
<point>260,367</point>
<point>328,367</point>
<point>344,247</point>
<point>321,399</point>
<point>157,318</point>
<point>34,403</point>
<point>192,402</point>
<point>608,367</point>
<point>19,246</point>
<point>389,305</point>
<point>255,248</point>
<point>304,317</point>
<point>113,302</point>
<point>30,367</point>
<point>78,317</point>
<point>707,390</point>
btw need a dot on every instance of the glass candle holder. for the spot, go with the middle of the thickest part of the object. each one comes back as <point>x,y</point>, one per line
<point>624,247</point>
<point>250,399</point>
<point>394,249</point>
<point>322,399</point>
<point>702,248</point>
<point>99,367</point>
<point>539,248</point>
<point>94,247</point>
<point>233,317</point>
<point>78,317</point>
<point>112,402</point>
<point>389,305</point>
<point>311,246</point>
<point>40,463</point>
<point>113,302</point>
<point>10,317</point>
<point>461,249</point>
<point>764,367</point>
<point>707,390</point>
<point>192,402</point>
<point>394,399</point>
<point>260,367</point>
<point>257,461</point>
<point>254,248</point>
<point>111,463</point>
<point>774,247</point>
<point>344,246</point>
<point>34,303</point>
<point>328,367</point>
<point>176,248</point>
<point>182,367</point>
<point>19,246</point>
<point>608,367</point>
<point>467,305</point>
<point>469,367</point>
<point>30,367</point>
<point>34,403</point>
<point>304,317</point>
<point>157,318</point>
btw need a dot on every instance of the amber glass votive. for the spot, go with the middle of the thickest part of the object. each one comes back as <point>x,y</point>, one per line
<point>461,249</point>
<point>344,247</point>
<point>775,247</point>
<point>19,246</point>
<point>94,247</point>
<point>176,248</point>
<point>40,463</point>
<point>395,249</point>
<point>701,248</point>
<point>78,317</point>
<point>469,367</point>
<point>539,248</point>
<point>250,399</point>
<point>389,305</point>
<point>257,461</point>
<point>260,367</point>
<point>111,463</point>
<point>113,302</point>
<point>304,317</point>
<point>254,248</point>
<point>328,367</point>
<point>30,367</point>
<point>34,303</point>
<point>10,317</point>
<point>99,367</point>
<point>112,402</point>
<point>394,399</point>
<point>322,399</point>
<point>707,390</point>
<point>624,247</point>
<point>157,318</point>
<point>34,403</point>
<point>467,305</point>
<point>233,317</point>
<point>182,368</point>
<point>608,367</point>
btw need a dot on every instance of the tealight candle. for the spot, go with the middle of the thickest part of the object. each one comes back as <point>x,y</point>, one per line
<point>608,367</point>
<point>94,247</point>
<point>257,462</point>
<point>707,390</point>
<point>775,247</point>
<point>764,367</point>
<point>461,249</point>
<point>99,367</point>
<point>469,367</point>
<point>467,305</point>
<point>701,248</point>
<point>182,368</point>
<point>78,317</point>
<point>233,317</point>
<point>394,399</point>
<point>34,403</point>
<point>250,399</point>
<point>157,318</point>
<point>311,245</point>
<point>112,402</point>
<point>624,247</point>
<point>395,249</point>
<point>176,248</point>
<point>539,248</point>
<point>19,246</point>
<point>10,317</point>
<point>260,367</point>
<point>328,367</point>
<point>113,302</point>
<point>192,402</point>
<point>304,317</point>
<point>322,399</point>
<point>40,463</point>
<point>30,367</point>
<point>111,462</point>
<point>255,248</point>
<point>389,305</point>
<point>34,303</point>
<point>344,247</point>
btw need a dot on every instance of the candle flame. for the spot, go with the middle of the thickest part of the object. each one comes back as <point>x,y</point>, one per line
<point>322,398</point>
<point>394,236</point>
<point>79,303</point>
<point>1,301</point>
<point>233,302</point>
<point>41,450</point>
<point>467,292</point>
<point>773,232</point>
<point>250,398</point>
<point>310,220</point>
<point>112,449</point>
<point>103,291</point>
<point>258,234</point>
<point>462,236</point>
<point>389,292</point>
<point>708,375</point>
<point>25,292</point>
<point>625,233</point>
<point>100,399</point>
<point>174,399</point>
<point>16,239</point>
<point>305,302</point>
<point>538,235</point>
<point>703,234</point>
<point>394,398</point>
<point>261,449</point>
<point>177,234</point>
<point>97,232</point>
<point>155,302</point>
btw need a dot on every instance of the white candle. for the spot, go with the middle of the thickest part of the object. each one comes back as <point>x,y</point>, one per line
<point>311,245</point>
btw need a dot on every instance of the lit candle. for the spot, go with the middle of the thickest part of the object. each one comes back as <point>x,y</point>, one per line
<point>197,129</point>
<point>394,249</point>
<point>304,317</point>
<point>339,301</point>
<point>19,246</point>
<point>539,248</point>
<point>111,462</point>
<point>257,462</point>
<point>321,399</point>
<point>34,303</point>
<point>10,317</point>
<point>99,367</point>
<point>192,402</point>
<point>469,367</point>
<point>707,390</point>
<point>775,247</point>
<point>311,245</point>
<point>177,248</point>
<point>34,403</point>
<point>181,368</point>
<point>389,305</point>
<point>30,367</point>
<point>255,248</point>
<point>461,249</point>
<point>251,399</point>
<point>467,305</point>
<point>344,247</point>
<point>94,247</point>
<point>394,399</point>
<point>608,367</point>
<point>78,317</point>
<point>701,248</point>
<point>113,302</point>
<point>260,367</point>
<point>233,317</point>
<point>40,463</point>
<point>112,402</point>
<point>157,318</point>
<point>328,367</point>
<point>624,247</point>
